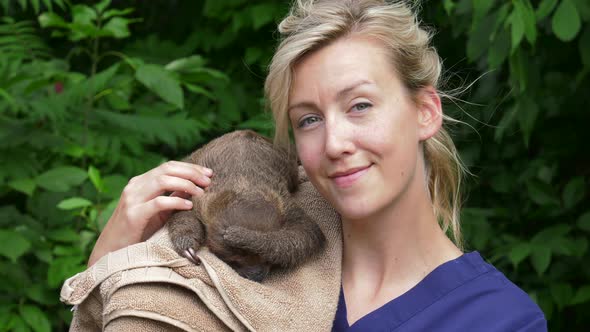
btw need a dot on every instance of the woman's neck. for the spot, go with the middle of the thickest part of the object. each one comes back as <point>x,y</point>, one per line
<point>392,251</point>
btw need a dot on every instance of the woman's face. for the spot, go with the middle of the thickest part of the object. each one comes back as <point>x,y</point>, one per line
<point>356,129</point>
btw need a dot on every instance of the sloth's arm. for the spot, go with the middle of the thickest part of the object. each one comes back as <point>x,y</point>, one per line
<point>299,239</point>
<point>186,232</point>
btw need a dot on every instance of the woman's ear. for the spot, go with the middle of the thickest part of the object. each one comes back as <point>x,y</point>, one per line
<point>430,114</point>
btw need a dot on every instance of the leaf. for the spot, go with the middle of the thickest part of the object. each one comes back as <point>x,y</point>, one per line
<point>479,39</point>
<point>199,90</point>
<point>101,6</point>
<point>60,3</point>
<point>527,112</point>
<point>583,7</point>
<point>548,234</point>
<point>94,175</point>
<point>574,192</point>
<point>114,185</point>
<point>36,5</point>
<point>518,71</point>
<point>62,268</point>
<point>584,46</point>
<point>116,12</point>
<point>503,182</point>
<point>481,8</point>
<point>449,5</point>
<point>517,25</point>
<point>74,203</point>
<point>566,22</point>
<point>562,294</point>
<point>40,294</point>
<point>61,179</point>
<point>117,27</point>
<point>525,11</point>
<point>48,4</point>
<point>580,247</point>
<point>252,55</point>
<point>584,221</point>
<point>188,64</point>
<point>83,14</point>
<point>582,295</point>
<point>63,235</point>
<point>26,186</point>
<point>90,87</point>
<point>51,19</point>
<point>35,318</point>
<point>505,123</point>
<point>262,14</point>
<point>545,8</point>
<point>16,324</point>
<point>13,245</point>
<point>519,252</point>
<point>162,83</point>
<point>106,214</point>
<point>542,193</point>
<point>23,4</point>
<point>541,258</point>
<point>499,49</point>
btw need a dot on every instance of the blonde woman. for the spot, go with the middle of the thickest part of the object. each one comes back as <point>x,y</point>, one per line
<point>356,82</point>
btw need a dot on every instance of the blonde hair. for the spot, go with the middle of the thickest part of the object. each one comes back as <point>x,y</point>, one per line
<point>312,24</point>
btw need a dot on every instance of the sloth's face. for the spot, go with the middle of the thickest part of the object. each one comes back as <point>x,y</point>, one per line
<point>246,265</point>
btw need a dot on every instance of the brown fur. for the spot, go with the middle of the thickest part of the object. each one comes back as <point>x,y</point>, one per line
<point>247,216</point>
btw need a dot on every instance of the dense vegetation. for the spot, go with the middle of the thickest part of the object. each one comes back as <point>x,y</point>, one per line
<point>92,93</point>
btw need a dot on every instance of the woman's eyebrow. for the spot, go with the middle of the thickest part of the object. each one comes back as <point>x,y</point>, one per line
<point>351,88</point>
<point>339,94</point>
<point>303,104</point>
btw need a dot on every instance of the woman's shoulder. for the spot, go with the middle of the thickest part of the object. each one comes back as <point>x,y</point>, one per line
<point>490,283</point>
<point>487,294</point>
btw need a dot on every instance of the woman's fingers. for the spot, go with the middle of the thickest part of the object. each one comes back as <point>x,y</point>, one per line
<point>180,194</point>
<point>142,210</point>
<point>170,176</point>
<point>196,173</point>
<point>157,211</point>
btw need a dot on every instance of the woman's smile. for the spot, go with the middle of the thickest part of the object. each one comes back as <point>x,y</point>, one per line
<point>347,178</point>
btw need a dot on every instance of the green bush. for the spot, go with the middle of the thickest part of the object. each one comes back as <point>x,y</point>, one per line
<point>92,94</point>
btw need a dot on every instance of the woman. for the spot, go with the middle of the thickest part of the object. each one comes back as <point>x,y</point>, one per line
<point>356,80</point>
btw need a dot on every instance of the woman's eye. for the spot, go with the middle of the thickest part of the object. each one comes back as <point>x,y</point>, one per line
<point>361,106</point>
<point>308,121</point>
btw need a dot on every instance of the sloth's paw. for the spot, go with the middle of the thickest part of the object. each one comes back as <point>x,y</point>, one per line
<point>241,238</point>
<point>187,246</point>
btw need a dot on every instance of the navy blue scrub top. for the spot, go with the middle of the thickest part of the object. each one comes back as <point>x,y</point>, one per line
<point>465,294</point>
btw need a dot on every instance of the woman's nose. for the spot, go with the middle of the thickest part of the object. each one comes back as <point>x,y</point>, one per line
<point>339,139</point>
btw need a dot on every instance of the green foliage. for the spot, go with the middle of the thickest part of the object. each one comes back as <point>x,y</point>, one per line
<point>92,94</point>
<point>527,208</point>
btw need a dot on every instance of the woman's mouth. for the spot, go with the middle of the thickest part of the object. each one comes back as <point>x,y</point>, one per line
<point>347,178</point>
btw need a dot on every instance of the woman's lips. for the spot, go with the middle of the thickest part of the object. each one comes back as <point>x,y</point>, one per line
<point>348,178</point>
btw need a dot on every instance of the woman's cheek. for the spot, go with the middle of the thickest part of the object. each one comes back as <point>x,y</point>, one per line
<point>309,156</point>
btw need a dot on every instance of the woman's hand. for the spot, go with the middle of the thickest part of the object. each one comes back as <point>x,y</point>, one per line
<point>142,209</point>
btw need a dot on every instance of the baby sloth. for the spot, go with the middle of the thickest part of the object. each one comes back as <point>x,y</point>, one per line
<point>247,216</point>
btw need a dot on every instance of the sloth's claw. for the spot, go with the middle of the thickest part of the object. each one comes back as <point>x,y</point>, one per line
<point>191,255</point>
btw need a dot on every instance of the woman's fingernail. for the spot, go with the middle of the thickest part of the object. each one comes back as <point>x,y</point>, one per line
<point>208,171</point>
<point>188,203</point>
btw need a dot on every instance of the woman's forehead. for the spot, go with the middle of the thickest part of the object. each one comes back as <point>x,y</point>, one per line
<point>340,67</point>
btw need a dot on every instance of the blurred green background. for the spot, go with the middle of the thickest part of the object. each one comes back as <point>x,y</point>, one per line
<point>92,93</point>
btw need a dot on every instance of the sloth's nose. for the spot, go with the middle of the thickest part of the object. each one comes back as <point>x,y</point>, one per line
<point>255,273</point>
